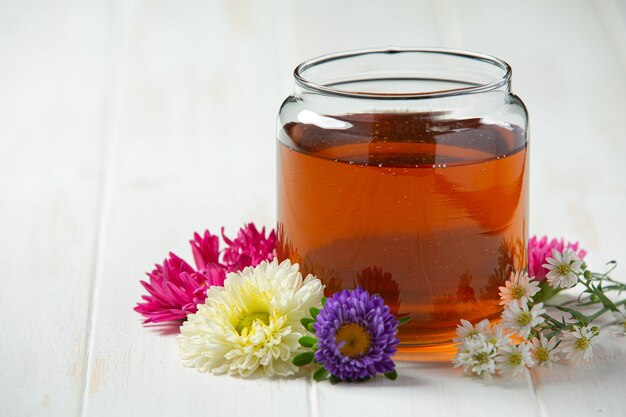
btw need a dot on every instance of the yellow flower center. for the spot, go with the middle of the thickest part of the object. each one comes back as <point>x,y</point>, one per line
<point>581,344</point>
<point>524,318</point>
<point>472,333</point>
<point>563,269</point>
<point>481,357</point>
<point>515,359</point>
<point>542,355</point>
<point>356,337</point>
<point>518,292</point>
<point>246,322</point>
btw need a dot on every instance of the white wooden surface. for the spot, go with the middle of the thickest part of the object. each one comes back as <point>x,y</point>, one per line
<point>126,125</point>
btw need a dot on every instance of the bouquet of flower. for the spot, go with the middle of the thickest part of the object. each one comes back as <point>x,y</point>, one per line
<point>528,335</point>
<point>243,312</point>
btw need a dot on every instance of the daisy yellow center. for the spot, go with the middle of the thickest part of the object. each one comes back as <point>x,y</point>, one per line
<point>524,318</point>
<point>246,322</point>
<point>563,269</point>
<point>515,359</point>
<point>542,355</point>
<point>473,333</point>
<point>581,344</point>
<point>356,337</point>
<point>518,292</point>
<point>481,357</point>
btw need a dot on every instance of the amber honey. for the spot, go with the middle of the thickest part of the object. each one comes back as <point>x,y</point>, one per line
<point>429,213</point>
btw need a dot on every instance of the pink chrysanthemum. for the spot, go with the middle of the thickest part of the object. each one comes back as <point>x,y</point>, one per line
<point>206,249</point>
<point>176,288</point>
<point>540,249</point>
<point>249,248</point>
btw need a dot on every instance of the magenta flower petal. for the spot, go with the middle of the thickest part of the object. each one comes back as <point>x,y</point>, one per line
<point>213,274</point>
<point>175,288</point>
<point>249,248</point>
<point>206,249</point>
<point>173,291</point>
<point>540,249</point>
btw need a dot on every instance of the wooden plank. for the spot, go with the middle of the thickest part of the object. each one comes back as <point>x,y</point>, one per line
<point>358,24</point>
<point>569,72</point>
<point>193,150</point>
<point>51,126</point>
<point>555,50</point>
<point>433,389</point>
<point>424,388</point>
<point>188,148</point>
<point>593,388</point>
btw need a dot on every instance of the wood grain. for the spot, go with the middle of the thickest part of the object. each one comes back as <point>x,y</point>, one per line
<point>189,137</point>
<point>127,125</point>
<point>52,85</point>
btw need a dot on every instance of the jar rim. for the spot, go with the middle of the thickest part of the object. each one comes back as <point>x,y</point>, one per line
<point>302,81</point>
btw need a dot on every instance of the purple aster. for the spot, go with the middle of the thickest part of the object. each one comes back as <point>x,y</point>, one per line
<point>356,335</point>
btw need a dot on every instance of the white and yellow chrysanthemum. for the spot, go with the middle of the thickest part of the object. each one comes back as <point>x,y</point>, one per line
<point>251,323</point>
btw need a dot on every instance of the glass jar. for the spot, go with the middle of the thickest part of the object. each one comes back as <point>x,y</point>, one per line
<point>405,172</point>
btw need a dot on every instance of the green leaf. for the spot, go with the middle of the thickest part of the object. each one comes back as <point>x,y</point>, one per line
<point>604,299</point>
<point>393,375</point>
<point>546,292</point>
<point>314,312</point>
<point>404,320</point>
<point>303,359</point>
<point>307,341</point>
<point>575,313</point>
<point>324,301</point>
<point>310,327</point>
<point>305,321</point>
<point>321,374</point>
<point>334,379</point>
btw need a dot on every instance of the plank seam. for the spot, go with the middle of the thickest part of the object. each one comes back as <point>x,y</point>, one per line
<point>533,388</point>
<point>113,85</point>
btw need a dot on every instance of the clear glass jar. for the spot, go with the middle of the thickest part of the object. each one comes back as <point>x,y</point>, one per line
<point>405,171</point>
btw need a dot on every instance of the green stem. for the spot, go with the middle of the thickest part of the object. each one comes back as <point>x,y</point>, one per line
<point>597,314</point>
<point>554,321</point>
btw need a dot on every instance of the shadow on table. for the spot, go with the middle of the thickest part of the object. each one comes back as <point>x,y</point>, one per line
<point>164,329</point>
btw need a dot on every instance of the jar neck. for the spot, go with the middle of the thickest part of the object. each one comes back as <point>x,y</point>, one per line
<point>402,74</point>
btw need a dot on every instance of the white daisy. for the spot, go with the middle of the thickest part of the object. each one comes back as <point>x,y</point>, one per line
<point>476,355</point>
<point>620,321</point>
<point>563,269</point>
<point>544,350</point>
<point>520,319</point>
<point>498,337</point>
<point>511,360</point>
<point>519,288</point>
<point>577,344</point>
<point>466,330</point>
<point>251,323</point>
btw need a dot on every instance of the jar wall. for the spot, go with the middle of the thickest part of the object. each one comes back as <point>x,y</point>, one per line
<point>423,200</point>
